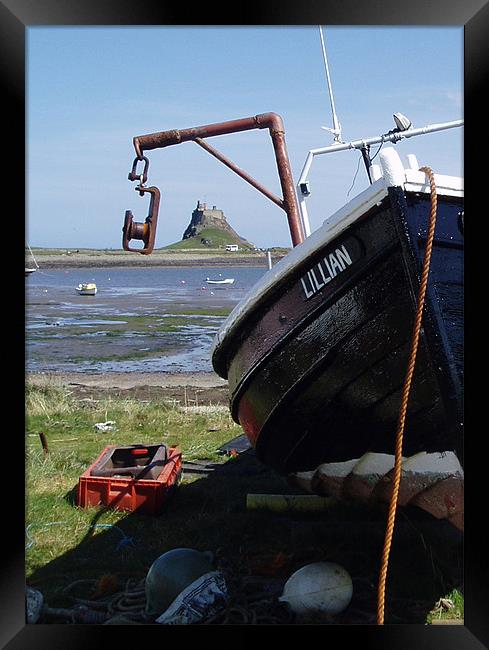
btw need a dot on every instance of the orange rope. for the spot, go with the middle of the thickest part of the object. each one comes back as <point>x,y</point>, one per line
<point>405,397</point>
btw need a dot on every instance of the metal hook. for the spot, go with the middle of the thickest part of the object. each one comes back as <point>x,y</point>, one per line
<point>146,231</point>
<point>133,176</point>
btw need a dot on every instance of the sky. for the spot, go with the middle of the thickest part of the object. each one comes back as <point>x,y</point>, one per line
<point>90,90</point>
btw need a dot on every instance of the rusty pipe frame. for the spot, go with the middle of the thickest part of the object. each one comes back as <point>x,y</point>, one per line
<point>273,122</point>
<point>229,163</point>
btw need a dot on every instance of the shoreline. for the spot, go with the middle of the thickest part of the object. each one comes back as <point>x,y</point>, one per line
<point>185,388</point>
<point>104,259</point>
<point>125,380</point>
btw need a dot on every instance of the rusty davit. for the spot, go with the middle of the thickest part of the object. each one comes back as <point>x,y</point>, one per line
<point>316,354</point>
<point>271,121</point>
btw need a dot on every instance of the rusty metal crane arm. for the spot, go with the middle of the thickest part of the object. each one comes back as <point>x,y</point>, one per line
<point>272,121</point>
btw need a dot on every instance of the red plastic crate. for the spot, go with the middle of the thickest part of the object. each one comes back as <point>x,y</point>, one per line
<point>144,495</point>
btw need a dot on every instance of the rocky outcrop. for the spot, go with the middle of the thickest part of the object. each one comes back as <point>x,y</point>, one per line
<point>204,217</point>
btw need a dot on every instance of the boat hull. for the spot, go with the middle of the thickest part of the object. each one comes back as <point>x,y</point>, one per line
<point>316,371</point>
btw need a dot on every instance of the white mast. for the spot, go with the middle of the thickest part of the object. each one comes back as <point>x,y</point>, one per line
<point>303,186</point>
<point>35,261</point>
<point>336,130</point>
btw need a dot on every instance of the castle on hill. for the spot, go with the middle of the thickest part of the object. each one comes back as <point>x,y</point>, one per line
<point>204,218</point>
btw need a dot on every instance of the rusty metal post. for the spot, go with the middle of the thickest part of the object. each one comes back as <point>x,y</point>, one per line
<point>291,208</point>
<point>44,443</point>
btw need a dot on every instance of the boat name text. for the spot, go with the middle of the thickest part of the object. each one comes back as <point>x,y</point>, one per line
<point>331,265</point>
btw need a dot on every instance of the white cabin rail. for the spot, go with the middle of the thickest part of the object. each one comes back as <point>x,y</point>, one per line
<point>392,136</point>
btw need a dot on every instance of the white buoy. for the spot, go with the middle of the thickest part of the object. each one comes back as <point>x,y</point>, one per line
<point>320,587</point>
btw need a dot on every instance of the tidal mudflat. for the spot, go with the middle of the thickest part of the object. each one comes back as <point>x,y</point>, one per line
<point>141,320</point>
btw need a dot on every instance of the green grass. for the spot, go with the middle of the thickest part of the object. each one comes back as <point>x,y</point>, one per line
<point>58,526</point>
<point>66,543</point>
<point>217,237</point>
<point>448,608</point>
<point>202,311</point>
<point>52,409</point>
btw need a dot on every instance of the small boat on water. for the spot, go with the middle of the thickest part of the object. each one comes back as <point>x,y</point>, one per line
<point>86,289</point>
<point>225,281</point>
<point>317,352</point>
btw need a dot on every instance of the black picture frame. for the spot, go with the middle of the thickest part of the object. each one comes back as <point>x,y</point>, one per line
<point>16,16</point>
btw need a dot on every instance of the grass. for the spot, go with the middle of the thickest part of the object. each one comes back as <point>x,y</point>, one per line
<point>58,527</point>
<point>202,311</point>
<point>217,238</point>
<point>66,543</point>
<point>52,409</point>
<point>448,608</point>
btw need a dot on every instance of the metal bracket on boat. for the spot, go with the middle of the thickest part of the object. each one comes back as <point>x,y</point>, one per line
<point>145,231</point>
<point>363,145</point>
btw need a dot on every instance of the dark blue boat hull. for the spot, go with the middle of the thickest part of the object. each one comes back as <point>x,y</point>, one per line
<point>316,371</point>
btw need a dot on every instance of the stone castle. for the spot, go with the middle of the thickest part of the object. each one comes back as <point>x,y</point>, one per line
<point>203,217</point>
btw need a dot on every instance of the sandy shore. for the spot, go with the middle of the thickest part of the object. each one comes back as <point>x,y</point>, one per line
<point>185,388</point>
<point>125,380</point>
<point>95,258</point>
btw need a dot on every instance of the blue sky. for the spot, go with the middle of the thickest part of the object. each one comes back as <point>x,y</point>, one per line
<point>90,90</point>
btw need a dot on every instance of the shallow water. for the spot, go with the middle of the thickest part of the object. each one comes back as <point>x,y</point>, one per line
<point>141,320</point>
